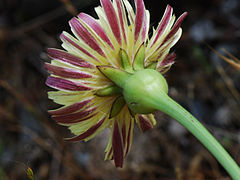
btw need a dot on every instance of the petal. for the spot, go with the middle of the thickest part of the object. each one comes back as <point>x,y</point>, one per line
<point>117,146</point>
<point>112,19</point>
<point>145,26</point>
<point>146,121</point>
<point>86,36</point>
<point>140,16</point>
<point>124,133</point>
<point>74,117</point>
<point>110,154</point>
<point>63,84</point>
<point>168,60</point>
<point>109,150</point>
<point>175,27</point>
<point>72,122</point>
<point>163,50</point>
<point>71,108</point>
<point>90,21</point>
<point>66,72</point>
<point>130,12</point>
<point>65,38</point>
<point>69,97</point>
<point>67,57</point>
<point>122,18</point>
<point>163,23</point>
<point>144,124</point>
<point>129,136</point>
<point>87,133</point>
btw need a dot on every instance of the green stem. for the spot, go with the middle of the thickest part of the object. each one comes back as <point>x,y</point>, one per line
<point>164,103</point>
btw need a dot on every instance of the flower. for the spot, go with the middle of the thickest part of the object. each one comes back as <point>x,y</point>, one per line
<point>91,101</point>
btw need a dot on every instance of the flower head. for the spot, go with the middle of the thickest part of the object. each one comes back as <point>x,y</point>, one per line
<point>89,73</point>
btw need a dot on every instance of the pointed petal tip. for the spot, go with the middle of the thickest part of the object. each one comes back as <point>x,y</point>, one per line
<point>169,6</point>
<point>183,16</point>
<point>72,21</point>
<point>145,123</point>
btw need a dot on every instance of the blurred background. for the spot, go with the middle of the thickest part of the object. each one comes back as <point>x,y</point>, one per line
<point>200,81</point>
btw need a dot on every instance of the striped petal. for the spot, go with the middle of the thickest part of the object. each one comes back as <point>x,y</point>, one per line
<point>145,122</point>
<point>74,117</point>
<point>125,124</point>
<point>124,133</point>
<point>163,23</point>
<point>140,18</point>
<point>87,133</point>
<point>168,60</point>
<point>65,38</point>
<point>165,48</point>
<point>69,58</point>
<point>66,72</point>
<point>63,84</point>
<point>71,108</point>
<point>145,26</point>
<point>112,19</point>
<point>129,134</point>
<point>117,146</point>
<point>85,35</point>
<point>122,18</point>
<point>175,27</point>
<point>91,22</point>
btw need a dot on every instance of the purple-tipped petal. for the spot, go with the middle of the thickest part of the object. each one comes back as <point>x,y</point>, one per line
<point>74,117</point>
<point>70,109</point>
<point>112,19</point>
<point>64,84</point>
<point>84,34</point>
<point>66,72</point>
<point>64,38</point>
<point>140,15</point>
<point>175,27</point>
<point>164,22</point>
<point>88,133</point>
<point>168,60</point>
<point>90,21</point>
<point>144,123</point>
<point>117,146</point>
<point>69,58</point>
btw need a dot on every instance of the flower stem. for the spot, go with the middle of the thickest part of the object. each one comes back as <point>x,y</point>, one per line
<point>164,103</point>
